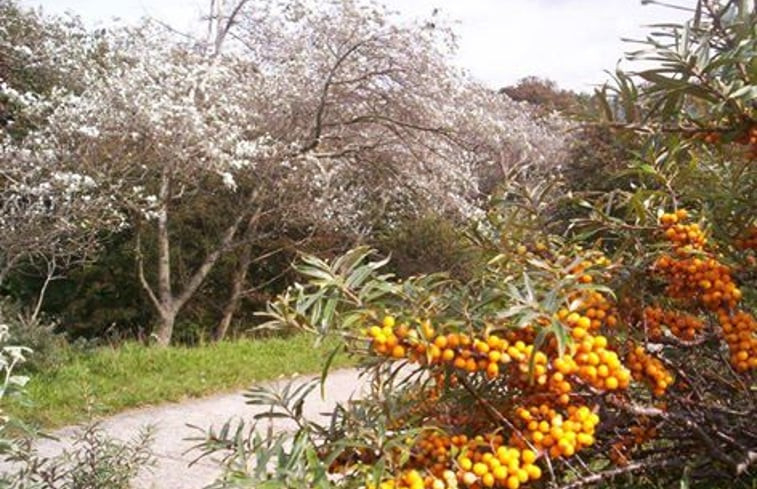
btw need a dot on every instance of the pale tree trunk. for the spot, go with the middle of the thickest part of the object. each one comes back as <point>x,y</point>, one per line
<point>167,302</point>
<point>49,277</point>
<point>164,329</point>
<point>166,306</point>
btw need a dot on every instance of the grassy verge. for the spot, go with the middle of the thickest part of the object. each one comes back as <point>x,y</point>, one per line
<point>109,380</point>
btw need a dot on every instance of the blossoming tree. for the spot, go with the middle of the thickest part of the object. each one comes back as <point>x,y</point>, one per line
<point>337,116</point>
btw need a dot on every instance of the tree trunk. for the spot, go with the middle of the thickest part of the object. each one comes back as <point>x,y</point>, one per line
<point>49,277</point>
<point>238,282</point>
<point>165,291</point>
<point>164,330</point>
<point>166,301</point>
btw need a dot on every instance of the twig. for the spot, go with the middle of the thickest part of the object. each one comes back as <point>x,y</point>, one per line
<point>672,340</point>
<point>651,412</point>
<point>628,469</point>
<point>714,407</point>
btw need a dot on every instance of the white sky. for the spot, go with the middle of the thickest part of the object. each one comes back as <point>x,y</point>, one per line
<point>569,41</point>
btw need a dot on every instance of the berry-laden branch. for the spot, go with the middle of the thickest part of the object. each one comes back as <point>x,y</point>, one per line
<point>548,400</point>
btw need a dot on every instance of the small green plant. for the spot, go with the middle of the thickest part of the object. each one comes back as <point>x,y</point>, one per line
<point>94,461</point>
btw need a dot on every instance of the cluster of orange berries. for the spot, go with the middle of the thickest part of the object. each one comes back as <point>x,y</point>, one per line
<point>548,430</point>
<point>695,275</point>
<point>411,479</point>
<point>496,465</point>
<point>433,451</point>
<point>588,357</point>
<point>646,367</point>
<point>680,234</point>
<point>544,428</point>
<point>399,341</point>
<point>593,310</point>
<point>704,279</point>
<point>747,137</point>
<point>482,461</point>
<point>545,379</point>
<point>594,363</point>
<point>457,349</point>
<point>683,326</point>
<point>740,332</point>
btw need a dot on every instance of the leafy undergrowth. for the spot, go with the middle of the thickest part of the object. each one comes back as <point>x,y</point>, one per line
<point>109,380</point>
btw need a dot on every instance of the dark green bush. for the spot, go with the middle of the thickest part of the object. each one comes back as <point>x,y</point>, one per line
<point>428,245</point>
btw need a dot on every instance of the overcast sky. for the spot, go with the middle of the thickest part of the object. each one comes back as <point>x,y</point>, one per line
<point>569,41</point>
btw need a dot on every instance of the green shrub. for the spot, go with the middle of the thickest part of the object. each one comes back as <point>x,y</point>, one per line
<point>48,350</point>
<point>93,461</point>
<point>428,245</point>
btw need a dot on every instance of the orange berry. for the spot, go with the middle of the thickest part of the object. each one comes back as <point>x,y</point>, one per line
<point>500,473</point>
<point>528,456</point>
<point>480,469</point>
<point>448,355</point>
<point>460,363</point>
<point>578,332</point>
<point>513,482</point>
<point>488,480</point>
<point>584,322</point>
<point>492,370</point>
<point>534,472</point>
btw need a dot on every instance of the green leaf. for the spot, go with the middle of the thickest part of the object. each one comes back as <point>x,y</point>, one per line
<point>326,367</point>
<point>746,93</point>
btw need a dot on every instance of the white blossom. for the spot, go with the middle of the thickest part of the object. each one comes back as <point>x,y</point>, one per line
<point>339,117</point>
<point>228,180</point>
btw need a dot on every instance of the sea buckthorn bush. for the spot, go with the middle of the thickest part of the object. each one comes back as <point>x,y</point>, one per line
<point>606,335</point>
<point>553,375</point>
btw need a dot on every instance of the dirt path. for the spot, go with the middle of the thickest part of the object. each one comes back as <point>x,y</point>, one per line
<point>171,420</point>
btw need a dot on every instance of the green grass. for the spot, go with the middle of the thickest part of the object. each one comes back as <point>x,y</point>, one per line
<point>109,380</point>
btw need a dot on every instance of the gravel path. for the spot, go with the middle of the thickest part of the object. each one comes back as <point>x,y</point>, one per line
<point>171,420</point>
